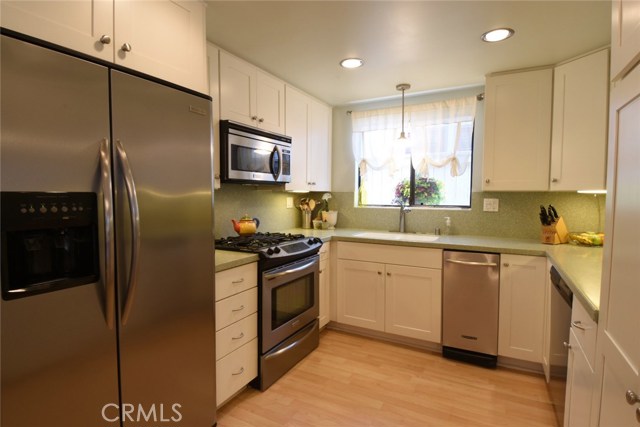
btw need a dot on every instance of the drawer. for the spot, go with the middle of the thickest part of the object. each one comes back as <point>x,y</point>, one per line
<point>390,254</point>
<point>236,370</point>
<point>585,330</point>
<point>236,335</point>
<point>236,307</point>
<point>234,280</point>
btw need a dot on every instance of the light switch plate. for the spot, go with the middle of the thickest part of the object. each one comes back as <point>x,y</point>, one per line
<point>289,202</point>
<point>491,205</point>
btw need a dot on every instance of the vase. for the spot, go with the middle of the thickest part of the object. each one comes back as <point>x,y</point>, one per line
<point>330,217</point>
<point>306,219</point>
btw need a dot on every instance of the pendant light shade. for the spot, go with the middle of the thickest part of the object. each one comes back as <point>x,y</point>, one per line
<point>402,87</point>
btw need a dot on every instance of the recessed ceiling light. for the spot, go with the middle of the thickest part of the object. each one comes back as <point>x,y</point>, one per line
<point>351,63</point>
<point>497,35</point>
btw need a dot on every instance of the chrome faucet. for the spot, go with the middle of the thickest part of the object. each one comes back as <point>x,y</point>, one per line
<point>403,211</point>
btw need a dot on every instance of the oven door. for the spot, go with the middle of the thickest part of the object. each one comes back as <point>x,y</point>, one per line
<point>289,300</point>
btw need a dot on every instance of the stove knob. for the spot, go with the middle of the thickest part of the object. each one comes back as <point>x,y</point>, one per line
<point>276,250</point>
<point>311,241</point>
<point>269,251</point>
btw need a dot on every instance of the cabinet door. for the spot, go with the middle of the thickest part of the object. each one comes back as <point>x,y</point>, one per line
<point>361,294</point>
<point>319,148</point>
<point>580,382</point>
<point>618,344</point>
<point>77,25</point>
<point>237,90</point>
<point>517,131</point>
<point>297,114</point>
<point>269,102</point>
<point>325,286</point>
<point>413,302</point>
<point>522,291</point>
<point>625,37</point>
<point>579,137</point>
<point>165,39</point>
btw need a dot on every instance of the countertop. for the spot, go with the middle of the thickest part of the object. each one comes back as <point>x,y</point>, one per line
<point>579,266</point>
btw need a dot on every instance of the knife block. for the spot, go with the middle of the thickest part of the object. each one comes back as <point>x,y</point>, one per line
<point>555,233</point>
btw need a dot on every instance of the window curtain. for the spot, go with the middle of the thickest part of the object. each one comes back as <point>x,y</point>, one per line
<point>439,135</point>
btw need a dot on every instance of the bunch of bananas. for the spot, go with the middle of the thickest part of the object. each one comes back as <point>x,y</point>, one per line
<point>587,238</point>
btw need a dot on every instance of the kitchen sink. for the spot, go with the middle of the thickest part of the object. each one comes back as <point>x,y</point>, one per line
<point>401,237</point>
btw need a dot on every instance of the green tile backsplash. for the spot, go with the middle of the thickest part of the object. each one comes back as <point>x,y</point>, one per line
<point>517,216</point>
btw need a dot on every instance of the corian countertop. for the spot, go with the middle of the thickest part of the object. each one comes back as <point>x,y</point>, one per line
<point>579,266</point>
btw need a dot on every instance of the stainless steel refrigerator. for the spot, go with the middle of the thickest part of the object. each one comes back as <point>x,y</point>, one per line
<point>135,345</point>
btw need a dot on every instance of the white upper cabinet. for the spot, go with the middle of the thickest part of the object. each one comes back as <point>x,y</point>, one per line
<point>625,37</point>
<point>517,131</point>
<point>164,39</point>
<point>308,123</point>
<point>85,26</point>
<point>579,136</point>
<point>250,96</point>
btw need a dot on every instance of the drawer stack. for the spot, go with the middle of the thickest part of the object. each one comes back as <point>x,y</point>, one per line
<point>236,330</point>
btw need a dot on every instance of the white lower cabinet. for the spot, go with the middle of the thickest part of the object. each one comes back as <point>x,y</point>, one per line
<point>236,330</point>
<point>522,294</point>
<point>393,289</point>
<point>581,379</point>
<point>325,286</point>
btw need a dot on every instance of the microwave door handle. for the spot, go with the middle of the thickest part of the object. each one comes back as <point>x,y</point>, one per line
<point>276,153</point>
<point>109,282</point>
<point>134,212</point>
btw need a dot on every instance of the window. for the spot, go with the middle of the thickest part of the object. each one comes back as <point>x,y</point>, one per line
<point>430,168</point>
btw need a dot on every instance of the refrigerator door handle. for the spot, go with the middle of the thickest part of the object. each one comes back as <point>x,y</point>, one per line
<point>109,249</point>
<point>135,230</point>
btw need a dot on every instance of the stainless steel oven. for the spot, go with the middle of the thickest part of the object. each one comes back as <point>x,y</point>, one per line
<point>288,317</point>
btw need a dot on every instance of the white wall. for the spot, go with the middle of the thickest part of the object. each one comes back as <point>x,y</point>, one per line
<point>343,164</point>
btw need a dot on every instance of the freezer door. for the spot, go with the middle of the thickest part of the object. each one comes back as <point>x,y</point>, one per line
<point>164,233</point>
<point>59,361</point>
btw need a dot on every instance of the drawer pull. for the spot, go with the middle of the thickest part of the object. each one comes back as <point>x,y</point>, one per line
<point>578,324</point>
<point>632,397</point>
<point>235,282</point>
<point>238,309</point>
<point>240,372</point>
<point>239,337</point>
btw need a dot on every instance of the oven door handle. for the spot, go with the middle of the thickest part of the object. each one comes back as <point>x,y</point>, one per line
<point>272,276</point>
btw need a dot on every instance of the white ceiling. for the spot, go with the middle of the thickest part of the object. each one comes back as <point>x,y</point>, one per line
<point>432,45</point>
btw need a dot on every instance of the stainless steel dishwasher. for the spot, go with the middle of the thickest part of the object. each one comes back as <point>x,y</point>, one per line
<point>470,298</point>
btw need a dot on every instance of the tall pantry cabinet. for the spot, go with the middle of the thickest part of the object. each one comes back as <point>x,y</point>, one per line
<point>618,347</point>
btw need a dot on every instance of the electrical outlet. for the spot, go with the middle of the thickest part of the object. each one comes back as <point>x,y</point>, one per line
<point>491,205</point>
<point>289,202</point>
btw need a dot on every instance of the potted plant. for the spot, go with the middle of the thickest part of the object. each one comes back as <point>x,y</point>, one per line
<point>428,192</point>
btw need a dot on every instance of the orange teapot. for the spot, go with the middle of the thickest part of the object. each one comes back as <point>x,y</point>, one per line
<point>246,226</point>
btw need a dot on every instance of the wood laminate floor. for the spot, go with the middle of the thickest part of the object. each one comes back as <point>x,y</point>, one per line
<point>352,381</point>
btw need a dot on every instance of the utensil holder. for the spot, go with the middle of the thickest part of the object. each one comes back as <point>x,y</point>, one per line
<point>306,219</point>
<point>555,233</point>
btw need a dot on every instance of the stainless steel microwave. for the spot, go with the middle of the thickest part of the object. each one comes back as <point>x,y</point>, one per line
<point>250,155</point>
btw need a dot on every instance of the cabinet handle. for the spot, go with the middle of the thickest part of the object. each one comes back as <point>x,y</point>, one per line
<point>578,324</point>
<point>126,47</point>
<point>235,282</point>
<point>239,337</point>
<point>239,372</point>
<point>505,264</point>
<point>566,345</point>
<point>388,274</point>
<point>260,120</point>
<point>320,271</point>
<point>554,179</point>
<point>631,397</point>
<point>254,118</point>
<point>238,309</point>
<point>379,273</point>
<point>487,181</point>
<point>105,39</point>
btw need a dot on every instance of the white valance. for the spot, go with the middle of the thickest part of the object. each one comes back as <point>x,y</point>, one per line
<point>440,134</point>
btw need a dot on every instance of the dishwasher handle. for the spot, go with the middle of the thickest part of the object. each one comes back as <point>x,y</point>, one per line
<point>473,263</point>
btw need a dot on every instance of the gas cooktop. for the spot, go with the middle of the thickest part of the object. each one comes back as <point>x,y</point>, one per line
<point>286,246</point>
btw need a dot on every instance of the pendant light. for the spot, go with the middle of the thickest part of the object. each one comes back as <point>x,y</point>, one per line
<point>403,87</point>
